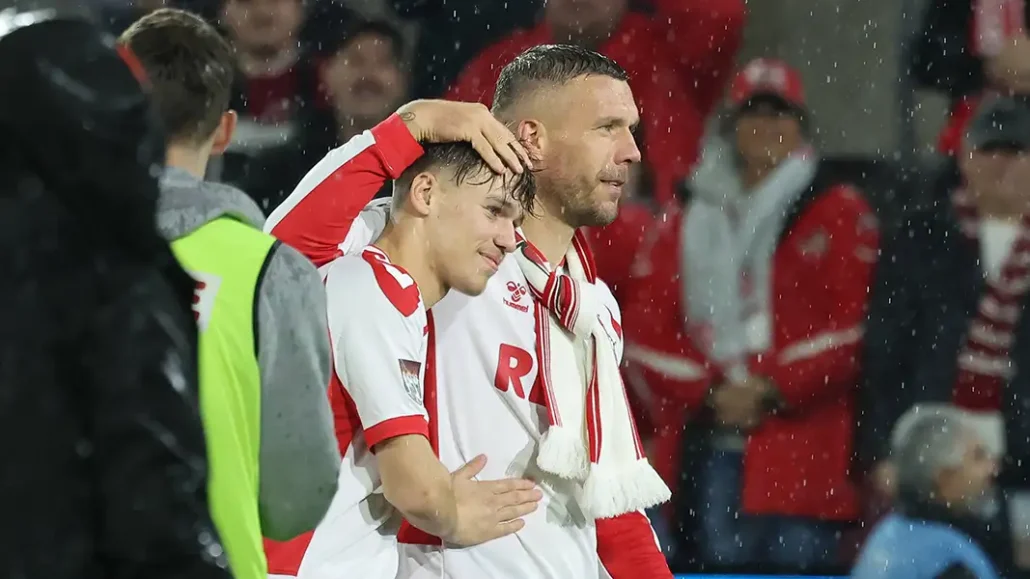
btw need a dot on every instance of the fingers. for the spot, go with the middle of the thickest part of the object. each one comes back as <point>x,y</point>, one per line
<point>506,528</point>
<point>522,153</point>
<point>471,468</point>
<point>508,485</point>
<point>486,150</point>
<point>504,143</point>
<point>515,512</point>
<point>519,498</point>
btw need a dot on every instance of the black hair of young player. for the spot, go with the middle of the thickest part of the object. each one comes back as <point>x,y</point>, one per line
<point>466,166</point>
<point>189,68</point>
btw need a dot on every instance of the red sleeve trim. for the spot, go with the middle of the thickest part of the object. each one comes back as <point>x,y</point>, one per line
<point>628,548</point>
<point>395,427</point>
<point>395,142</point>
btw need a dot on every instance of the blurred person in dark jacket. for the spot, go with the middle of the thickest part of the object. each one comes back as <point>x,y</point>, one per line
<point>745,326</point>
<point>365,78</point>
<point>104,456</point>
<point>945,490</point>
<point>947,317</point>
<point>260,307</point>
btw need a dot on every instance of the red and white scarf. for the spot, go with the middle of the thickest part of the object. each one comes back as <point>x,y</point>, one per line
<point>591,436</point>
<point>984,363</point>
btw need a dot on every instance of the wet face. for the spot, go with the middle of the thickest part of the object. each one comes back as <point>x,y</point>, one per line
<point>472,227</point>
<point>263,28</point>
<point>589,150</point>
<point>364,78</point>
<point>967,485</point>
<point>767,134</point>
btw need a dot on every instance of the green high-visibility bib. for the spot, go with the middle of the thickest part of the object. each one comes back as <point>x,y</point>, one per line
<point>227,258</point>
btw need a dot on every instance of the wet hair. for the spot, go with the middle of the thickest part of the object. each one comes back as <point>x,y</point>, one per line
<point>465,166</point>
<point>550,65</point>
<point>189,66</point>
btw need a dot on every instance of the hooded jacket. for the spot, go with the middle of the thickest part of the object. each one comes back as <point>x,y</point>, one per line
<point>299,460</point>
<point>104,457</point>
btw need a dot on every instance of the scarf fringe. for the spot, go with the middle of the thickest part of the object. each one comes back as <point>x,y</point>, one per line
<point>562,453</point>
<point>609,492</point>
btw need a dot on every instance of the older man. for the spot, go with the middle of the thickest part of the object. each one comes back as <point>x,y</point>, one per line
<point>945,477</point>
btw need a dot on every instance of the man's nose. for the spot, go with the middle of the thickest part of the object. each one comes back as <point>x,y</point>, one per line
<point>505,238</point>
<point>628,152</point>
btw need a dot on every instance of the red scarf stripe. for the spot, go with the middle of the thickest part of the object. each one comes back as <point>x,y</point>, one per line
<point>549,289</point>
<point>570,303</point>
<point>594,414</point>
<point>989,339</point>
<point>586,257</point>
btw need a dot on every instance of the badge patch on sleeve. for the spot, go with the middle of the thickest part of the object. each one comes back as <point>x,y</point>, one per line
<point>410,375</point>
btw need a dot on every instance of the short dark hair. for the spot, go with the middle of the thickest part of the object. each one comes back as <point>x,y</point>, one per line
<point>189,68</point>
<point>550,64</point>
<point>465,164</point>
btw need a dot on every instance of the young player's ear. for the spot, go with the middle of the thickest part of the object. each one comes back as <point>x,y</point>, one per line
<point>424,188</point>
<point>224,132</point>
<point>533,136</point>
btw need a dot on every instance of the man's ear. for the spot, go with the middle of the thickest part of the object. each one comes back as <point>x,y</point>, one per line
<point>224,132</point>
<point>533,136</point>
<point>424,187</point>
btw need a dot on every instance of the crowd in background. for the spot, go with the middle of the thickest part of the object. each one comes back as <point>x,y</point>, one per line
<point>783,309</point>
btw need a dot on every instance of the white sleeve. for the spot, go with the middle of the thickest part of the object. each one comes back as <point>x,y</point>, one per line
<point>378,340</point>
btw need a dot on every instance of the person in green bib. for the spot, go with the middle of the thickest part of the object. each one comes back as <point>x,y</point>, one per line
<point>259,307</point>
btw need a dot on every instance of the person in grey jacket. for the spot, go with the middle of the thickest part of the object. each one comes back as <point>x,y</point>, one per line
<point>189,69</point>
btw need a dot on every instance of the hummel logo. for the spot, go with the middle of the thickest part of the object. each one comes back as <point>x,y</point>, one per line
<point>518,291</point>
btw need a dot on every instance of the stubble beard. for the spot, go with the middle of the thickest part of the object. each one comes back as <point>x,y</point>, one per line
<point>572,204</point>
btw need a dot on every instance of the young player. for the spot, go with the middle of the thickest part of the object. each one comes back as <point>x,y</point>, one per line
<point>527,372</point>
<point>451,222</point>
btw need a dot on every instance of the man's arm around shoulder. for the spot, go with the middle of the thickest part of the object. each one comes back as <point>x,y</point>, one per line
<point>300,459</point>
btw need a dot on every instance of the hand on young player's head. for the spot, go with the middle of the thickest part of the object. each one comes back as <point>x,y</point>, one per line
<point>440,121</point>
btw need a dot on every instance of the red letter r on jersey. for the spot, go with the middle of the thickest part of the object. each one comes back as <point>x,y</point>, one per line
<point>513,364</point>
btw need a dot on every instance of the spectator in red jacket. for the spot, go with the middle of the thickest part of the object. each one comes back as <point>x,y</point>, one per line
<point>678,60</point>
<point>760,337</point>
